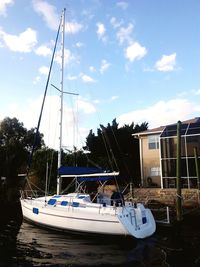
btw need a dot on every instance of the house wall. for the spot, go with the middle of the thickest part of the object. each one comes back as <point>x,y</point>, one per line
<point>166,137</point>
<point>150,158</point>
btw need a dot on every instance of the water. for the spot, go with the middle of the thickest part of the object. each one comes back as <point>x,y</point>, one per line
<point>38,247</point>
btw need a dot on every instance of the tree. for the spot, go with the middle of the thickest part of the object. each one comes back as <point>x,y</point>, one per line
<point>15,146</point>
<point>44,162</point>
<point>115,148</point>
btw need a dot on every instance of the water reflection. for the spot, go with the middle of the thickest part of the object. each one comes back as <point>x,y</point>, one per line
<point>46,247</point>
<point>38,247</point>
<point>181,243</point>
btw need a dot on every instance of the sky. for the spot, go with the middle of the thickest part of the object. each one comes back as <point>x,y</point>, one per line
<point>136,61</point>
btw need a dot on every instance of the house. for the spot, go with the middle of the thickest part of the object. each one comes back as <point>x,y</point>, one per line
<point>158,155</point>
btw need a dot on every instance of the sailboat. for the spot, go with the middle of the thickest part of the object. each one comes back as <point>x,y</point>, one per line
<point>78,211</point>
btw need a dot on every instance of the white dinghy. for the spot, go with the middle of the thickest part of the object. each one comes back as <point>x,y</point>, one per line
<point>78,211</point>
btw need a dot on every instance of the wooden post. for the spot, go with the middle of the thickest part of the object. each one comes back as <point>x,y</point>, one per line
<point>178,175</point>
<point>197,172</point>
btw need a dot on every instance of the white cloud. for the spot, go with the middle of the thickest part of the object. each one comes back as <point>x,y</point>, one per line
<point>114,97</point>
<point>43,51</point>
<point>87,79</point>
<point>100,30</point>
<point>135,52</point>
<point>1,44</point>
<point>85,106</point>
<point>161,113</point>
<point>51,17</point>
<point>166,63</point>
<point>115,23</point>
<point>48,13</point>
<point>50,119</point>
<point>69,57</point>
<point>122,5</point>
<point>36,80</point>
<point>148,69</point>
<point>104,66</point>
<point>44,70</point>
<point>72,77</point>
<point>3,6</point>
<point>73,27</point>
<point>92,69</point>
<point>96,101</point>
<point>24,42</point>
<point>197,92</point>
<point>88,12</point>
<point>79,44</point>
<point>124,34</point>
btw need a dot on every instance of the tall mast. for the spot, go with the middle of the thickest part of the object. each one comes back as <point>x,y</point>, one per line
<point>61,99</point>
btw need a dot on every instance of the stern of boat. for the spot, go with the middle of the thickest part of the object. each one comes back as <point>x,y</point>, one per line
<point>137,220</point>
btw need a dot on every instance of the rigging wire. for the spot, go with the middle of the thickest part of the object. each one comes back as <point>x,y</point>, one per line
<point>106,138</point>
<point>44,97</point>
<point>110,154</point>
<point>41,111</point>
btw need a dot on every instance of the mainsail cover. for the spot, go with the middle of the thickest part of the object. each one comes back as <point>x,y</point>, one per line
<point>87,173</point>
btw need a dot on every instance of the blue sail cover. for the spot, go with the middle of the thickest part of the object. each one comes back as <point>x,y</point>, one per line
<point>73,171</point>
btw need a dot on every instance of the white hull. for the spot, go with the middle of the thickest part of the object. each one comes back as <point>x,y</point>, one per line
<point>79,214</point>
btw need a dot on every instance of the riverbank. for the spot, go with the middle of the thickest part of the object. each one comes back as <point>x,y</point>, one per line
<point>162,203</point>
<point>167,196</point>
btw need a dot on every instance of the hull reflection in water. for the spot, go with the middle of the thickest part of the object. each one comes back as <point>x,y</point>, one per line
<point>48,247</point>
<point>169,247</point>
<point>39,247</point>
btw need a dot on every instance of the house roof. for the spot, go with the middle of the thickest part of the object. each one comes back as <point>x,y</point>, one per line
<point>160,129</point>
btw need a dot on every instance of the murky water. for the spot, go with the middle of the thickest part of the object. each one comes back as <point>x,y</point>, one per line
<point>38,247</point>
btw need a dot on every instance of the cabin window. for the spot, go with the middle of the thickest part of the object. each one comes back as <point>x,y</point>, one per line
<point>75,204</point>
<point>153,141</point>
<point>64,203</point>
<point>52,201</point>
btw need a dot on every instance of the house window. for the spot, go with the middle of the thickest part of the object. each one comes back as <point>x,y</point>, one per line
<point>155,171</point>
<point>153,141</point>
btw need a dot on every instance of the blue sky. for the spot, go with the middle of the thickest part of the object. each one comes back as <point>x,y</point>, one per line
<point>136,61</point>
